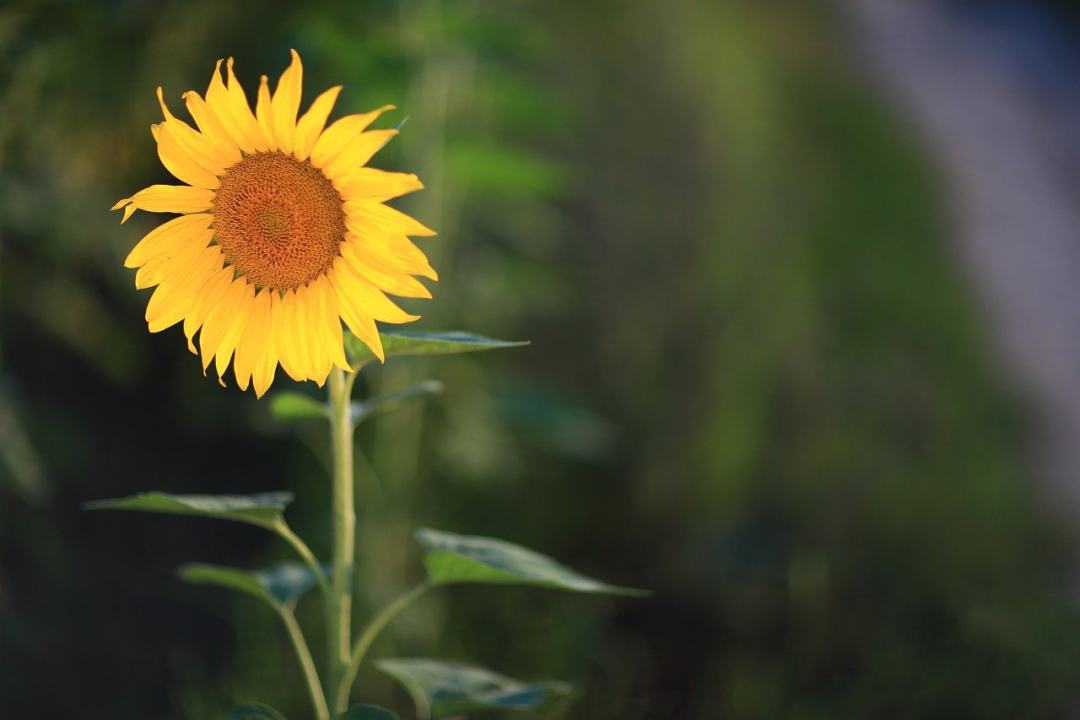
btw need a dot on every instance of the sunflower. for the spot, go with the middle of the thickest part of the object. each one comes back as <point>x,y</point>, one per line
<point>282,232</point>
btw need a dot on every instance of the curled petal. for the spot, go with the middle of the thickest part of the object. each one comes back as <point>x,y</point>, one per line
<point>286,103</point>
<point>167,199</point>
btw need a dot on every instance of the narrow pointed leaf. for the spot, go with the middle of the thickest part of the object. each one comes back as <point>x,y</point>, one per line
<point>363,409</point>
<point>367,712</point>
<point>255,712</point>
<point>225,577</point>
<point>441,689</point>
<point>264,509</point>
<point>416,342</point>
<point>278,585</point>
<point>451,558</point>
<point>293,406</point>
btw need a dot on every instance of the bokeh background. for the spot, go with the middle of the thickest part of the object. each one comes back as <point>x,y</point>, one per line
<point>768,379</point>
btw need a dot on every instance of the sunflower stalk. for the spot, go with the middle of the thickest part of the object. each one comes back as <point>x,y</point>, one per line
<point>339,620</point>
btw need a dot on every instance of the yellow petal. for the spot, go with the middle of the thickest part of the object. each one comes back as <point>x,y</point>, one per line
<point>360,323</point>
<point>224,323</point>
<point>328,323</point>
<point>311,335</point>
<point>340,133</point>
<point>163,265</point>
<point>241,112</point>
<point>357,152</point>
<point>218,318</point>
<point>221,102</point>
<point>396,249</point>
<point>387,280</point>
<point>165,238</point>
<point>197,147</point>
<point>168,199</point>
<point>371,184</point>
<point>208,299</point>
<point>286,338</point>
<point>179,292</point>
<point>311,123</point>
<point>217,98</point>
<point>253,341</point>
<point>384,218</point>
<point>286,103</point>
<point>264,113</point>
<point>178,162</point>
<point>212,127</point>
<point>301,333</point>
<point>366,297</point>
<point>262,375</point>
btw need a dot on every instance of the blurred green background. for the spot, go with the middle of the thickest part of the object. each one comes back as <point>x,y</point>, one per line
<point>758,383</point>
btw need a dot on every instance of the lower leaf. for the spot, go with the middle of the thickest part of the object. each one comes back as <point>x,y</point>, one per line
<point>440,688</point>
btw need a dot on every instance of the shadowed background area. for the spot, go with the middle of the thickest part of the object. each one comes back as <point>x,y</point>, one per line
<point>763,379</point>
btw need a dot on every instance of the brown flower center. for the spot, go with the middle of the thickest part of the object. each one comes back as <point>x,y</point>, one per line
<point>278,220</point>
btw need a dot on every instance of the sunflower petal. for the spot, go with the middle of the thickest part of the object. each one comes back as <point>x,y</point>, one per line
<point>197,147</point>
<point>165,238</point>
<point>357,152</point>
<point>384,218</point>
<point>223,325</point>
<point>372,184</point>
<point>252,342</point>
<point>360,323</point>
<point>328,323</point>
<point>366,297</point>
<point>286,338</point>
<point>179,294</point>
<point>262,375</point>
<point>340,133</point>
<point>392,251</point>
<point>311,123</point>
<point>212,127</point>
<point>178,162</point>
<point>264,113</point>
<point>168,199</point>
<point>209,297</point>
<point>286,103</point>
<point>301,331</point>
<point>386,279</point>
<point>158,268</point>
<point>231,105</point>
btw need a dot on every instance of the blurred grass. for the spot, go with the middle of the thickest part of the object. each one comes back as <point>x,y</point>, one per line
<point>757,383</point>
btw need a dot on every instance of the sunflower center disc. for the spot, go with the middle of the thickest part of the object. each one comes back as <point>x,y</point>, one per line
<point>278,220</point>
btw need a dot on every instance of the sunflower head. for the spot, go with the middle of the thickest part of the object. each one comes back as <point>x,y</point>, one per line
<point>282,234</point>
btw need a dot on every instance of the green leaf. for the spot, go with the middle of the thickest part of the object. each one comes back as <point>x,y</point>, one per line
<point>280,585</point>
<point>292,406</point>
<point>367,712</point>
<point>264,509</point>
<point>255,711</point>
<point>226,577</point>
<point>451,558</point>
<point>440,688</point>
<point>417,342</point>
<point>363,409</point>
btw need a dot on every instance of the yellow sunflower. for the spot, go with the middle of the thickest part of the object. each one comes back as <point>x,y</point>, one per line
<point>283,232</point>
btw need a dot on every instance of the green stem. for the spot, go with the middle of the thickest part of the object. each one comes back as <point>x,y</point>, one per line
<point>303,653</point>
<point>366,638</point>
<point>344,520</point>
<point>286,533</point>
